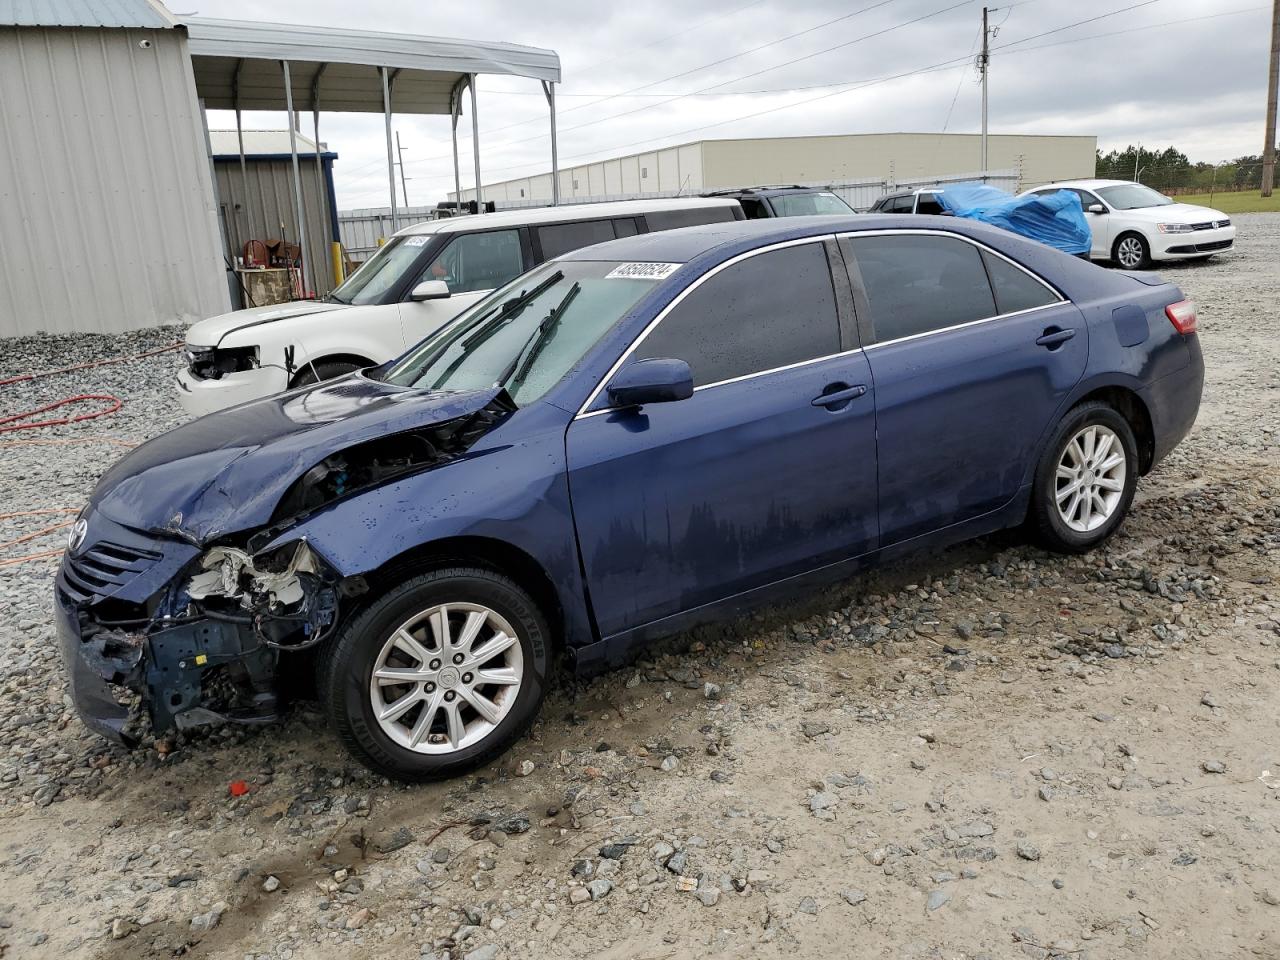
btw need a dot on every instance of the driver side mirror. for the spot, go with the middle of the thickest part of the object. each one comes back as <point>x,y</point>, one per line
<point>651,381</point>
<point>1096,208</point>
<point>430,290</point>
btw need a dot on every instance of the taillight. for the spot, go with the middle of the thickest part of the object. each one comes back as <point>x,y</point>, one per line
<point>1182,315</point>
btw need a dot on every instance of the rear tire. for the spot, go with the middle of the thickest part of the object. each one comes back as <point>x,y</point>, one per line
<point>466,705</point>
<point>1131,252</point>
<point>325,370</point>
<point>1085,479</point>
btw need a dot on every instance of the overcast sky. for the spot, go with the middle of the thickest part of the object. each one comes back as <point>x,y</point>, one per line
<point>1199,85</point>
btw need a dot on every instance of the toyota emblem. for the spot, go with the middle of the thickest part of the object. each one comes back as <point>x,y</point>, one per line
<point>76,535</point>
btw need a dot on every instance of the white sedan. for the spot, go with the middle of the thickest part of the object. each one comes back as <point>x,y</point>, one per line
<point>1133,225</point>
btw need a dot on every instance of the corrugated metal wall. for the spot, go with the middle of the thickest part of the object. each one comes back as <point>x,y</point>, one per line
<point>254,205</point>
<point>107,219</point>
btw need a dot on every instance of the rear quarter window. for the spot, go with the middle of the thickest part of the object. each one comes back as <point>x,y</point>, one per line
<point>1014,288</point>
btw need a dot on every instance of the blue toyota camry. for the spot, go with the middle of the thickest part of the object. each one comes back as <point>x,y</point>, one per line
<point>635,438</point>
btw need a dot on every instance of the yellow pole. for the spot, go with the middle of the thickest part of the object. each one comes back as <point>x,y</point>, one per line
<point>335,253</point>
<point>381,241</point>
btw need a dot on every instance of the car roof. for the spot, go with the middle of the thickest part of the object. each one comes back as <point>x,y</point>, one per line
<point>1088,184</point>
<point>688,243</point>
<point>573,211</point>
<point>772,190</point>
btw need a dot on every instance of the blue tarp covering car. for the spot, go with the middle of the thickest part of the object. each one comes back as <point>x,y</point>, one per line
<point>1056,219</point>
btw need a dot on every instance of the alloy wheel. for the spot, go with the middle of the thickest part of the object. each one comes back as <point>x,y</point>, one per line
<point>446,678</point>
<point>1090,478</point>
<point>1129,250</point>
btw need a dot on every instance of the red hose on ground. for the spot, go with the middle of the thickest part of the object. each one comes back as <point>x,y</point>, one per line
<point>23,377</point>
<point>113,404</point>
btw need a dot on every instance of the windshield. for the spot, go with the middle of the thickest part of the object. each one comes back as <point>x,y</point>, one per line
<point>808,204</point>
<point>527,335</point>
<point>382,271</point>
<point>1133,196</point>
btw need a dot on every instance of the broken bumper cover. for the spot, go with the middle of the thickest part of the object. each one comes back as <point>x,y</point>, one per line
<point>90,690</point>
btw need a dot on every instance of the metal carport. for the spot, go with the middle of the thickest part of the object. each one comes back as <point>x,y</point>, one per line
<point>267,66</point>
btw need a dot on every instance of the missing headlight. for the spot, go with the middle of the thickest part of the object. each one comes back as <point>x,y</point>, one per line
<point>213,363</point>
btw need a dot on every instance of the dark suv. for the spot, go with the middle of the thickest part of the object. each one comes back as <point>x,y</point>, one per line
<point>910,201</point>
<point>783,201</point>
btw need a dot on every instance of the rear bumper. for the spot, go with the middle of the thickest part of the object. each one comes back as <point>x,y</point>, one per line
<point>1174,401</point>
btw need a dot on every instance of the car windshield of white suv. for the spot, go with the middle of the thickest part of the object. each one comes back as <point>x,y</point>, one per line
<point>1133,196</point>
<point>808,204</point>
<point>527,335</point>
<point>380,272</point>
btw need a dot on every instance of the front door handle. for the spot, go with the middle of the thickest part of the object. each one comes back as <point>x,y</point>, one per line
<point>1053,337</point>
<point>839,397</point>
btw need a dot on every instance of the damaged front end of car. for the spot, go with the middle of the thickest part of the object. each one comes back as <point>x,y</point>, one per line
<point>159,623</point>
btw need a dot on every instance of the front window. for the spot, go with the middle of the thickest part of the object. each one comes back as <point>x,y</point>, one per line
<point>527,336</point>
<point>809,204</point>
<point>382,272</point>
<point>479,261</point>
<point>1133,196</point>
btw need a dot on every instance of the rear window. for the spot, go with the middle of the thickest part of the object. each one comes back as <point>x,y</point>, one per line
<point>560,238</point>
<point>688,217</point>
<point>809,204</point>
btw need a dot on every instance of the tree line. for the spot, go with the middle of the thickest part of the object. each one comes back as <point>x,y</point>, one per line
<point>1171,171</point>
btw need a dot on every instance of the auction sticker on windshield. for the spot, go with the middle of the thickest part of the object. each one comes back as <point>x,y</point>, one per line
<point>418,241</point>
<point>642,271</point>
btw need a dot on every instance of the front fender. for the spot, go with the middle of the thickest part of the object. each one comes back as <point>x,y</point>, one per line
<point>372,332</point>
<point>515,493</point>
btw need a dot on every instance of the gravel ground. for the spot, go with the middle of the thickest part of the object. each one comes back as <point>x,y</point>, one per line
<point>987,751</point>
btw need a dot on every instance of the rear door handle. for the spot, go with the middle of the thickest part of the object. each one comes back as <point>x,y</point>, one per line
<point>1053,336</point>
<point>839,396</point>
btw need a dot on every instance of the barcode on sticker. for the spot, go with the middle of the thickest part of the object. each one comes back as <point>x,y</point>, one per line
<point>418,241</point>
<point>642,271</point>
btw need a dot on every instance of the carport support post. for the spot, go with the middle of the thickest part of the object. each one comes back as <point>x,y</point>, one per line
<point>549,88</point>
<point>475,143</point>
<point>391,163</point>
<point>299,212</point>
<point>457,177</point>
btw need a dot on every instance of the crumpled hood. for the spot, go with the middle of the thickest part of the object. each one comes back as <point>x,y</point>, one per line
<point>209,332</point>
<point>226,472</point>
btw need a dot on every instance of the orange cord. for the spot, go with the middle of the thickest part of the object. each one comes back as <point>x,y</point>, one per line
<point>23,377</point>
<point>31,556</point>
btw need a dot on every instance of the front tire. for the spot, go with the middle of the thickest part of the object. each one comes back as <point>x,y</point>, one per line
<point>1085,479</point>
<point>1132,252</point>
<point>439,676</point>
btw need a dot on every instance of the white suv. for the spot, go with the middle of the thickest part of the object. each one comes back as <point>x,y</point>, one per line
<point>421,278</point>
<point>1134,225</point>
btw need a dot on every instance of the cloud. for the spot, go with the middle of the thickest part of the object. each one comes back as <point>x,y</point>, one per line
<point>1197,85</point>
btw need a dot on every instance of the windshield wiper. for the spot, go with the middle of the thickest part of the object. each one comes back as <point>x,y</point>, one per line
<point>517,371</point>
<point>510,309</point>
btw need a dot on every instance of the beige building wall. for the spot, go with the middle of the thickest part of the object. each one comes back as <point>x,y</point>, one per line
<point>887,157</point>
<point>892,157</point>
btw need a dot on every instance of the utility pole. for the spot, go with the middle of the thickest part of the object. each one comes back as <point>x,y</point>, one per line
<point>1269,150</point>
<point>984,64</point>
<point>404,192</point>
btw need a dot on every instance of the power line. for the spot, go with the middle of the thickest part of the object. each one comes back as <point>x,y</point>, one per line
<point>849,86</point>
<point>706,66</point>
<point>810,56</point>
<point>681,96</point>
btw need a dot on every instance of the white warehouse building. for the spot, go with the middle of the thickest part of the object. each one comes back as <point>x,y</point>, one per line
<point>872,161</point>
